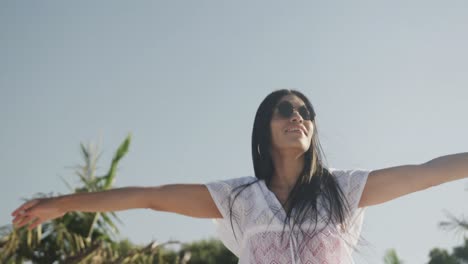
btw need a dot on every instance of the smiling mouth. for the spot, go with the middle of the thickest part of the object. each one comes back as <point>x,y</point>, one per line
<point>295,129</point>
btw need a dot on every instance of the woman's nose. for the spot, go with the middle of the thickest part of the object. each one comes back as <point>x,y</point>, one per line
<point>296,116</point>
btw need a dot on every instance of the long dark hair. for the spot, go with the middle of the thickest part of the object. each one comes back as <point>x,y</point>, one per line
<point>315,180</point>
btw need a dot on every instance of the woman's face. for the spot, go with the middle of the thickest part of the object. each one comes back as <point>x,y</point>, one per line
<point>291,133</point>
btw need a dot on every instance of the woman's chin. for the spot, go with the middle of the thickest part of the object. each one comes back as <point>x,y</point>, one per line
<point>294,148</point>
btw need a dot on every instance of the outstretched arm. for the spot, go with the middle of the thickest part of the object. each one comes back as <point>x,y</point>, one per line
<point>386,184</point>
<point>186,199</point>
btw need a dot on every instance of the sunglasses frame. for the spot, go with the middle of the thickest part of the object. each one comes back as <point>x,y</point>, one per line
<point>288,112</point>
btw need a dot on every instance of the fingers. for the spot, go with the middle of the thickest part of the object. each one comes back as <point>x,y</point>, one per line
<point>25,215</point>
<point>24,207</point>
<point>23,220</point>
<point>34,224</point>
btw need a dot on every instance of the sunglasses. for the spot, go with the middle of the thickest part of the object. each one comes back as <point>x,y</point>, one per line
<point>286,110</point>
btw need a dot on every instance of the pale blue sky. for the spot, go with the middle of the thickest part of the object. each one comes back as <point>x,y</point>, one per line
<point>387,79</point>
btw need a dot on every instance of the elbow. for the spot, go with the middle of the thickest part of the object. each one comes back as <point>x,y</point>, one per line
<point>153,198</point>
<point>144,199</point>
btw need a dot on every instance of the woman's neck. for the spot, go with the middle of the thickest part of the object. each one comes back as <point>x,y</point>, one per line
<point>287,169</point>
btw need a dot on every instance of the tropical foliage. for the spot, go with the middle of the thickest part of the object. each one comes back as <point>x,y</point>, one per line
<point>459,254</point>
<point>391,257</point>
<point>86,237</point>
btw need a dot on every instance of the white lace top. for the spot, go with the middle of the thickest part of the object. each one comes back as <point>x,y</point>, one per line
<point>257,219</point>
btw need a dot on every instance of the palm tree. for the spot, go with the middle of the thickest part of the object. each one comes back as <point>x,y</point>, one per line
<point>76,236</point>
<point>458,225</point>
<point>460,253</point>
<point>91,237</point>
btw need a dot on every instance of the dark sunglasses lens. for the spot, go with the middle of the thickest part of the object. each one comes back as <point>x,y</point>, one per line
<point>304,112</point>
<point>285,109</point>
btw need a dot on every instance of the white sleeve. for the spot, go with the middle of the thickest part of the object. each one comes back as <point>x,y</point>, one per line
<point>221,192</point>
<point>352,183</point>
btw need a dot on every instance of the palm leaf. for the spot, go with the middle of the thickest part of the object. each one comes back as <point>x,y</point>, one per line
<point>458,225</point>
<point>75,233</point>
<point>121,151</point>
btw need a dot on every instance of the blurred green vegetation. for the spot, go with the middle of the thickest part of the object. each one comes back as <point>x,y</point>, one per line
<point>459,254</point>
<point>93,237</point>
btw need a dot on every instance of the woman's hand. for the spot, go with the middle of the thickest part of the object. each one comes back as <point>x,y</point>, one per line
<point>36,212</point>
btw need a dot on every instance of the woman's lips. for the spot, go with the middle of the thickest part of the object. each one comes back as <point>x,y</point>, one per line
<point>296,129</point>
<point>295,132</point>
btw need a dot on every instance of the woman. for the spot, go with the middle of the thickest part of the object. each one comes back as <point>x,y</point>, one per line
<point>319,209</point>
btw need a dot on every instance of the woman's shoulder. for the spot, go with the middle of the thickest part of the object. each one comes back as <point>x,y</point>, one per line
<point>338,172</point>
<point>352,181</point>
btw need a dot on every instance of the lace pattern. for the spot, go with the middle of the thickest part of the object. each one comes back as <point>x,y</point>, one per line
<point>258,217</point>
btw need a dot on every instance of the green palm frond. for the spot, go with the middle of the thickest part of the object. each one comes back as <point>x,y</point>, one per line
<point>75,235</point>
<point>391,257</point>
<point>121,151</point>
<point>458,225</point>
<point>109,223</point>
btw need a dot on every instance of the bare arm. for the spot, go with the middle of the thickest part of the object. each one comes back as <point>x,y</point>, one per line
<point>386,184</point>
<point>186,199</point>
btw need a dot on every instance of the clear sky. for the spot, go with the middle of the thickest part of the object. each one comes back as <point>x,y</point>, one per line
<point>387,79</point>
